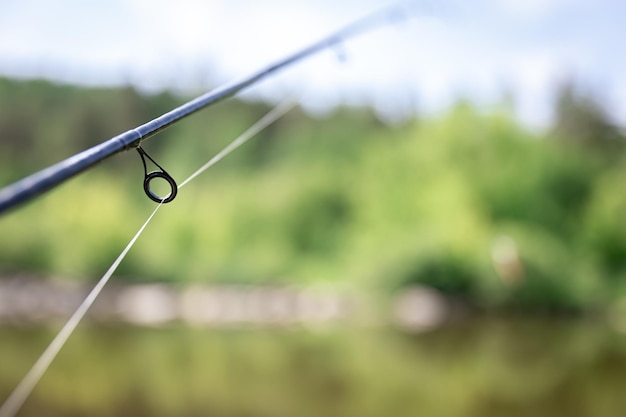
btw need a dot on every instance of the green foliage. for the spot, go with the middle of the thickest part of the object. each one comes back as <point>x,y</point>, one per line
<point>318,220</point>
<point>444,272</point>
<point>343,200</point>
<point>582,120</point>
<point>604,229</point>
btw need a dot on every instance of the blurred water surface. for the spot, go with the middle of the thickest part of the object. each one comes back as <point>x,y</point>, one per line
<point>479,367</point>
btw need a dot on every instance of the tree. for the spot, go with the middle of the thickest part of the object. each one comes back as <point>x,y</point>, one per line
<point>581,119</point>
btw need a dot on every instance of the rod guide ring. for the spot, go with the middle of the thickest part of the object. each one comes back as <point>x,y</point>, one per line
<point>161,173</point>
<point>155,197</point>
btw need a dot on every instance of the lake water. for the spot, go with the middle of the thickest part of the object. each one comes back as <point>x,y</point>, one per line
<point>480,367</point>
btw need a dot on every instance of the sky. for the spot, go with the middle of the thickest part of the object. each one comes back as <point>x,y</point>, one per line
<point>486,51</point>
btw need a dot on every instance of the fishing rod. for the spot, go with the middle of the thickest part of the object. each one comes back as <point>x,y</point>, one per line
<point>38,183</point>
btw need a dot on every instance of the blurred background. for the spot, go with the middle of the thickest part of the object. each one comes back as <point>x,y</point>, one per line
<point>437,229</point>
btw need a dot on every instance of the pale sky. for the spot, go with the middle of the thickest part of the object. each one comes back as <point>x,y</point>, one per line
<point>477,49</point>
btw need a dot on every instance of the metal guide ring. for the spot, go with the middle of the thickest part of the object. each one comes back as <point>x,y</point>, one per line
<point>155,197</point>
<point>156,174</point>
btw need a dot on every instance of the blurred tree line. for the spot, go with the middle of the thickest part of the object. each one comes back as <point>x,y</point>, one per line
<point>471,204</point>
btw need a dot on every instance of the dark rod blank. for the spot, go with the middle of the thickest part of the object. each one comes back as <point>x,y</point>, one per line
<point>42,181</point>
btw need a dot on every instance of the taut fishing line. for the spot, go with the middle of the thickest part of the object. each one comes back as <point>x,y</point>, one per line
<point>268,119</point>
<point>19,395</point>
<point>42,181</point>
<point>14,402</point>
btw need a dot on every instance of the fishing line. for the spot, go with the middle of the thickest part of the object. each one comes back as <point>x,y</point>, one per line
<point>276,113</point>
<point>26,386</point>
<point>19,395</point>
<point>50,177</point>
